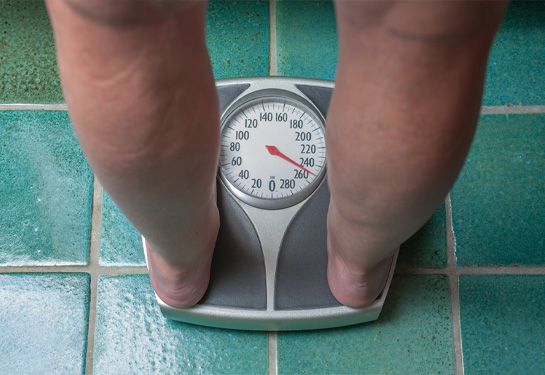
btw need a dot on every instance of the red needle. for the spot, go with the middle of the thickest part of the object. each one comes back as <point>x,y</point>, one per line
<point>274,151</point>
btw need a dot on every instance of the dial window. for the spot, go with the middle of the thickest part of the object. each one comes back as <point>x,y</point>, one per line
<point>272,151</point>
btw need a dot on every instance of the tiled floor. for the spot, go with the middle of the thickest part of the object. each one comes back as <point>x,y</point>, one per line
<point>469,294</point>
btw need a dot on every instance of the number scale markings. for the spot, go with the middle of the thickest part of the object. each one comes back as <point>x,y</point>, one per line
<point>272,140</point>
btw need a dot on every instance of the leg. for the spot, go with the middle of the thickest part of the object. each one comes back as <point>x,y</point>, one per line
<point>140,91</point>
<point>403,114</point>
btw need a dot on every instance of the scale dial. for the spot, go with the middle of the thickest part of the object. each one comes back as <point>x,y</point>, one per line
<point>272,150</point>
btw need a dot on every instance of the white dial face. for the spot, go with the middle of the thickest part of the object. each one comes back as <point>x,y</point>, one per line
<point>272,151</point>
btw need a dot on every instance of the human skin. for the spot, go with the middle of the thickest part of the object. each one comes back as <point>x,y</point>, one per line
<point>402,117</point>
<point>140,91</point>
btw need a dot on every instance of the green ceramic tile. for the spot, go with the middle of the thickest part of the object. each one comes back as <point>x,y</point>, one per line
<point>46,190</point>
<point>43,320</point>
<point>306,38</point>
<point>516,66</point>
<point>120,242</point>
<point>428,247</point>
<point>238,38</point>
<point>28,68</point>
<point>412,336</point>
<point>498,202</point>
<point>307,47</point>
<point>132,337</point>
<point>502,324</point>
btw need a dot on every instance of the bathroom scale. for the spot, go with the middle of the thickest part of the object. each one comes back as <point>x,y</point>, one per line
<point>269,270</point>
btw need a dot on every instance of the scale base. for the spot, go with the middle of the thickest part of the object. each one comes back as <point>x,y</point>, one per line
<point>269,271</point>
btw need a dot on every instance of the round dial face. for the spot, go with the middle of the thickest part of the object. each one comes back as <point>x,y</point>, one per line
<point>272,151</point>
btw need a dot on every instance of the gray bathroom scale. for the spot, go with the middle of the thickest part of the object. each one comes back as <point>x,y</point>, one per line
<point>270,260</point>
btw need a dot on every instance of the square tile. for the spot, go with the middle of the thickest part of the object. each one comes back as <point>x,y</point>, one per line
<point>306,35</point>
<point>498,202</point>
<point>237,38</point>
<point>502,324</point>
<point>28,71</point>
<point>120,242</point>
<point>132,337</point>
<point>43,320</point>
<point>46,190</point>
<point>237,35</point>
<point>413,335</point>
<point>516,65</point>
<point>307,47</point>
<point>427,248</point>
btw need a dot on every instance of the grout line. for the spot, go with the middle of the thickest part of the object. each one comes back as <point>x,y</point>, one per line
<point>451,237</point>
<point>140,270</point>
<point>123,270</point>
<point>273,62</point>
<point>456,325</point>
<point>99,270</point>
<point>94,270</point>
<point>422,271</point>
<point>273,363</point>
<point>511,109</point>
<point>454,290</point>
<point>273,71</point>
<point>44,269</point>
<point>33,107</point>
<point>95,225</point>
<point>89,357</point>
<point>456,271</point>
<point>493,270</point>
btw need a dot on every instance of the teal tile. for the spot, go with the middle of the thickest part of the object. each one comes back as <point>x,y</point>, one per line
<point>120,242</point>
<point>502,324</point>
<point>306,38</point>
<point>132,337</point>
<point>307,47</point>
<point>237,35</point>
<point>46,191</point>
<point>516,66</point>
<point>498,205</point>
<point>412,336</point>
<point>28,72</point>
<point>427,248</point>
<point>43,320</point>
<point>237,38</point>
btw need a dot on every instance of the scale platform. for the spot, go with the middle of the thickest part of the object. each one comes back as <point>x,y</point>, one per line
<point>269,267</point>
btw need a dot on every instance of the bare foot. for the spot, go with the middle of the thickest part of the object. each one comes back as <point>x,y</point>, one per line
<point>356,289</point>
<point>353,285</point>
<point>178,285</point>
<point>181,280</point>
